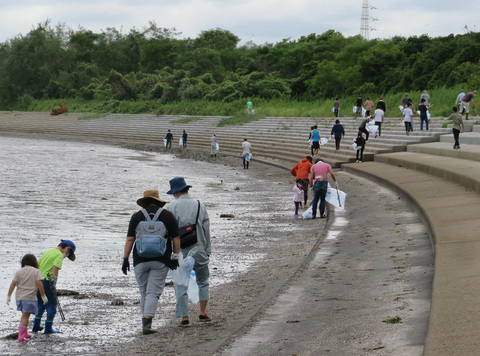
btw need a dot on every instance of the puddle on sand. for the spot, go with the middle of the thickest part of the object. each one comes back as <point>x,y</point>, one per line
<point>87,193</point>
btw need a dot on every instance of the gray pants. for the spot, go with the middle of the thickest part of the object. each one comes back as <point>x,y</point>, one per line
<point>151,281</point>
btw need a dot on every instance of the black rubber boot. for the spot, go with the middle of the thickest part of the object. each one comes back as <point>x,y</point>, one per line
<point>147,326</point>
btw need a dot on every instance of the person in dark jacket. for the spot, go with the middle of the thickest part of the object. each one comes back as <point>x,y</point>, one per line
<point>360,141</point>
<point>338,132</point>
<point>381,105</point>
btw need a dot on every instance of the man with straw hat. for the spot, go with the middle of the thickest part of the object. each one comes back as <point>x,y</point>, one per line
<point>151,272</point>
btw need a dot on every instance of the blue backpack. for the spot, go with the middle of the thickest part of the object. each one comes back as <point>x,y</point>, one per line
<point>151,240</point>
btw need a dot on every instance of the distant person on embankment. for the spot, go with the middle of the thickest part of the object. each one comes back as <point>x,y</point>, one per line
<point>423,109</point>
<point>379,117</point>
<point>336,107</point>
<point>169,138</point>
<point>213,145</point>
<point>184,139</point>
<point>363,127</point>
<point>457,126</point>
<point>310,138</point>
<point>465,103</point>
<point>459,99</point>
<point>381,104</point>
<point>315,140</point>
<point>302,171</point>
<point>407,119</point>
<point>338,132</point>
<point>246,153</point>
<point>368,107</point>
<point>249,107</point>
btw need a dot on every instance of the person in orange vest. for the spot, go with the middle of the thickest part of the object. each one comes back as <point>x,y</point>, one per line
<point>302,171</point>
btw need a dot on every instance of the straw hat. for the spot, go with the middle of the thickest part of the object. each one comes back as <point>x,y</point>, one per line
<point>150,196</point>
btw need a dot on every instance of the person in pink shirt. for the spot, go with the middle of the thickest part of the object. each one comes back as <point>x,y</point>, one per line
<point>368,107</point>
<point>319,182</point>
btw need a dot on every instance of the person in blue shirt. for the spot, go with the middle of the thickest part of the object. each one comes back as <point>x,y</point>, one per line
<point>315,141</point>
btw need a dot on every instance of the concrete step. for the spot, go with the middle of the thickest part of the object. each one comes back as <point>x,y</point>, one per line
<point>471,138</point>
<point>444,149</point>
<point>457,170</point>
<point>451,212</point>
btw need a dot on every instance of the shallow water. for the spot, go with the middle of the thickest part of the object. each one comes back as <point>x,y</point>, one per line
<point>86,193</point>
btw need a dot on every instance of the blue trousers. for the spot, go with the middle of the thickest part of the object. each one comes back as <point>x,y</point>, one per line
<point>319,193</point>
<point>421,123</point>
<point>51,306</point>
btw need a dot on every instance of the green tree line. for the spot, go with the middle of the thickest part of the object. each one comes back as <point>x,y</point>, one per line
<point>55,62</point>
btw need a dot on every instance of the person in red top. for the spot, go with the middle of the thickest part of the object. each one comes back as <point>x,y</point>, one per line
<point>302,171</point>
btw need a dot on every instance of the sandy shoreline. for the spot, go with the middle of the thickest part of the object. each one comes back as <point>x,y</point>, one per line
<point>363,281</point>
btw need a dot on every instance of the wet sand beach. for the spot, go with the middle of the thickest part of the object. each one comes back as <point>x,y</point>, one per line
<point>356,283</point>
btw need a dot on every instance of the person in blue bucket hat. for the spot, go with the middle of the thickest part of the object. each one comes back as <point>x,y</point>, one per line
<point>189,212</point>
<point>49,264</point>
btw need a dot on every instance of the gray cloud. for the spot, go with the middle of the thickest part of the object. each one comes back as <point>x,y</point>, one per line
<point>251,20</point>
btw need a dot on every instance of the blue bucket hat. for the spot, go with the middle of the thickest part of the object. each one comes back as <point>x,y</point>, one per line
<point>70,244</point>
<point>177,184</point>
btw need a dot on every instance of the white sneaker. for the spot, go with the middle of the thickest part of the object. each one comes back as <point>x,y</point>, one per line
<point>357,161</point>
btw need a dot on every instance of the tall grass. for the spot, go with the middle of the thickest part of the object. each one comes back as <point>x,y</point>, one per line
<point>442,99</point>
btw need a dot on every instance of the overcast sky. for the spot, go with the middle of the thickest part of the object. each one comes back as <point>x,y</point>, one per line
<point>259,21</point>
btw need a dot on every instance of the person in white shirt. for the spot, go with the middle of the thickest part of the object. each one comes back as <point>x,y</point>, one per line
<point>407,118</point>
<point>379,116</point>
<point>426,97</point>
<point>246,153</point>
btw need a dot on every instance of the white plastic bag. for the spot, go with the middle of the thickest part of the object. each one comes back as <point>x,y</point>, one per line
<point>336,197</point>
<point>192,290</point>
<point>323,141</point>
<point>181,142</point>
<point>165,142</point>
<point>181,275</point>
<point>217,147</point>
<point>307,214</point>
<point>372,128</point>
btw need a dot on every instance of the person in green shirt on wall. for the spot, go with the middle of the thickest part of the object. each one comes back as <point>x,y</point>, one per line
<point>249,106</point>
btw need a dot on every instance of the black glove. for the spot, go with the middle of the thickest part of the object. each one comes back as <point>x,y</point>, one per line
<point>173,264</point>
<point>174,261</point>
<point>125,266</point>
